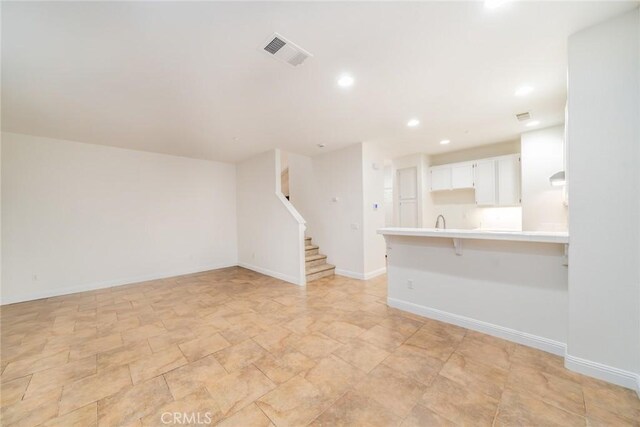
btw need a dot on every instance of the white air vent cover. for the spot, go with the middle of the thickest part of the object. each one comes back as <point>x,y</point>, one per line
<point>522,117</point>
<point>280,48</point>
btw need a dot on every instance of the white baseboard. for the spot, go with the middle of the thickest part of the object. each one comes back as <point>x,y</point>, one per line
<point>361,276</point>
<point>524,338</point>
<point>143,278</point>
<point>351,274</point>
<point>277,275</point>
<point>593,369</point>
<point>603,372</point>
<point>375,273</point>
<point>110,283</point>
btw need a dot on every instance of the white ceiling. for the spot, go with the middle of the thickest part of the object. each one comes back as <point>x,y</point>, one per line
<point>189,79</point>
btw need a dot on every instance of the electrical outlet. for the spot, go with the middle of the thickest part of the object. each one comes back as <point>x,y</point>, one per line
<point>410,284</point>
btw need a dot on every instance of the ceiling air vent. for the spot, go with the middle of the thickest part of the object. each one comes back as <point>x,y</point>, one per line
<point>280,48</point>
<point>523,117</point>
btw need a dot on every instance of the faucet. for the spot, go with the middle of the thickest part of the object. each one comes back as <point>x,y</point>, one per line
<point>444,222</point>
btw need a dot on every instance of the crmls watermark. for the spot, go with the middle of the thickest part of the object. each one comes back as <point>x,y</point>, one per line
<point>189,418</point>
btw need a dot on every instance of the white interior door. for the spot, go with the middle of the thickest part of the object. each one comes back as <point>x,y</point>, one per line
<point>408,197</point>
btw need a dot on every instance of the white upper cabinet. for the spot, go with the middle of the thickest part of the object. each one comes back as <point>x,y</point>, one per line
<point>485,182</point>
<point>461,175</point>
<point>496,180</point>
<point>452,176</point>
<point>508,172</point>
<point>441,178</point>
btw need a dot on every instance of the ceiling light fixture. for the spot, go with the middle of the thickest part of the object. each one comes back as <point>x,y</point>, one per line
<point>532,123</point>
<point>321,145</point>
<point>413,123</point>
<point>444,142</point>
<point>345,81</point>
<point>524,91</point>
<point>493,4</point>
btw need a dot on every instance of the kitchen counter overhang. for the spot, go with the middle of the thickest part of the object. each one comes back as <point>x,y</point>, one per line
<point>514,236</point>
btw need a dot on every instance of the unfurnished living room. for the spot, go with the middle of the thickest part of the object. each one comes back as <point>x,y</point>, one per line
<point>363,213</point>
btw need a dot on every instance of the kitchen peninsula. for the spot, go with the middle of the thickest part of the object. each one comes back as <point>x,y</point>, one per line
<point>510,284</point>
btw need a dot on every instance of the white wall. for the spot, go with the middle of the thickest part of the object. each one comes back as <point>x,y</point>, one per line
<point>373,218</point>
<point>515,290</point>
<point>284,173</point>
<point>79,216</point>
<point>604,201</point>
<point>474,153</point>
<point>270,230</point>
<point>1,138</point>
<point>328,190</point>
<point>542,155</point>
<point>302,190</point>
<point>335,193</point>
<point>388,193</point>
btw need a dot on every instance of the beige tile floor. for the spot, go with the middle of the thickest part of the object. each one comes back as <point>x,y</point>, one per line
<point>241,349</point>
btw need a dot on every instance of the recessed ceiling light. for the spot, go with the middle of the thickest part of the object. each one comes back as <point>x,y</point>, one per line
<point>345,81</point>
<point>524,90</point>
<point>321,145</point>
<point>444,142</point>
<point>413,123</point>
<point>492,4</point>
<point>532,123</point>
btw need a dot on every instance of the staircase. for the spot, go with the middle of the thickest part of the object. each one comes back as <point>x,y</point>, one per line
<point>316,266</point>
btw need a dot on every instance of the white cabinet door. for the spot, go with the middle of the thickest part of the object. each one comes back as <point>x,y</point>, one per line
<point>462,175</point>
<point>508,180</point>
<point>440,178</point>
<point>485,182</point>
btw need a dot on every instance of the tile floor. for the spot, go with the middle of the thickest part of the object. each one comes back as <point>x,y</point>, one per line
<point>241,349</point>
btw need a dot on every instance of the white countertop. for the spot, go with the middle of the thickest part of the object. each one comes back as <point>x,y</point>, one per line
<point>516,236</point>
